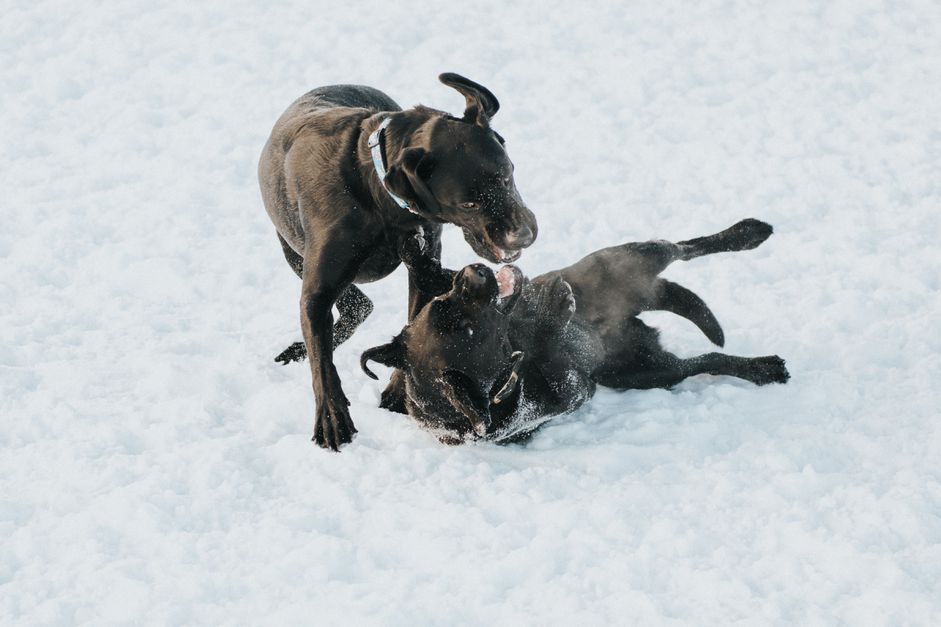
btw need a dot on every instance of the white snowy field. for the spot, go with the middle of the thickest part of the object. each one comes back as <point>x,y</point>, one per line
<point>156,464</point>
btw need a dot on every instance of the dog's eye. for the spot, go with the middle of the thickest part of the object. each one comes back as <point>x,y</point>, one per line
<point>468,205</point>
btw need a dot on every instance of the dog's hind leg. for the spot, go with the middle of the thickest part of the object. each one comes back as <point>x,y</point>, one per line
<point>296,351</point>
<point>656,255</point>
<point>743,235</point>
<point>642,261</point>
<point>354,307</point>
<point>666,370</point>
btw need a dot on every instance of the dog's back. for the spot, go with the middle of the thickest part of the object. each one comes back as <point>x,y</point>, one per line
<point>358,96</point>
<point>322,115</point>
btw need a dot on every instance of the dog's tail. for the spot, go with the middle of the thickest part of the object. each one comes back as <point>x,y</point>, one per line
<point>681,301</point>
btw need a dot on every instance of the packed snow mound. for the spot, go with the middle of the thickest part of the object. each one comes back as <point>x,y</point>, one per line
<point>156,464</point>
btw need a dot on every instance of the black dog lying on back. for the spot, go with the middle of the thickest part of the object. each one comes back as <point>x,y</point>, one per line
<point>498,355</point>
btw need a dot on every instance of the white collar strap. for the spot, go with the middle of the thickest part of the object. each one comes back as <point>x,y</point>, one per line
<point>379,161</point>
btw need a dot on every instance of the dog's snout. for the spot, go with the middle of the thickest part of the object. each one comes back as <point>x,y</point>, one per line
<point>476,274</point>
<point>476,282</point>
<point>520,238</point>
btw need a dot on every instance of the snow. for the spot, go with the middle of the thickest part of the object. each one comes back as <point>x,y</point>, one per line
<point>156,464</point>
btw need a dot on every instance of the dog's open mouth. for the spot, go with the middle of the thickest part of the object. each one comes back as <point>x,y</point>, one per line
<point>504,256</point>
<point>484,246</point>
<point>509,287</point>
<point>506,281</point>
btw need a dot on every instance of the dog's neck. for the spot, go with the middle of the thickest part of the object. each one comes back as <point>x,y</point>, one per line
<point>391,146</point>
<point>375,143</point>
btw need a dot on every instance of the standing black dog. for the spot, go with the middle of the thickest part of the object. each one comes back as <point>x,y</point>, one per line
<point>348,178</point>
<point>496,356</point>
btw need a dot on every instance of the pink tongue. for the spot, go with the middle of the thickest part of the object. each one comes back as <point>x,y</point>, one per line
<point>506,281</point>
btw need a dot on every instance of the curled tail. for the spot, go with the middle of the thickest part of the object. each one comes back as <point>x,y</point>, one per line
<point>681,301</point>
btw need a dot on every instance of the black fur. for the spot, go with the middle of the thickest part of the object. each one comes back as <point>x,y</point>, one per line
<point>479,366</point>
<point>337,224</point>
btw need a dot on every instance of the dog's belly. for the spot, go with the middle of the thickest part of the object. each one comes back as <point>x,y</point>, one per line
<point>379,264</point>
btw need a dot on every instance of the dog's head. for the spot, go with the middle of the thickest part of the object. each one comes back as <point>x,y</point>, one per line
<point>456,355</point>
<point>457,170</point>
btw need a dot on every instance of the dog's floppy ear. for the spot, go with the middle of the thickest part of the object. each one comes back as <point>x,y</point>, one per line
<point>461,392</point>
<point>481,104</point>
<point>391,354</point>
<point>407,178</point>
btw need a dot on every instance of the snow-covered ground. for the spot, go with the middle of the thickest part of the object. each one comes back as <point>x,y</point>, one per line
<point>156,465</point>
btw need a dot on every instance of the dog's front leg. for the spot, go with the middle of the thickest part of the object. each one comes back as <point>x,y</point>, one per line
<point>420,252</point>
<point>327,271</point>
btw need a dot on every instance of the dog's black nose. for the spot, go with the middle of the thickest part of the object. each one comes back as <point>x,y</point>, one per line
<point>476,274</point>
<point>521,238</point>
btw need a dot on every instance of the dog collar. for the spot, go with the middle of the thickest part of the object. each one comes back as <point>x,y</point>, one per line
<point>379,161</point>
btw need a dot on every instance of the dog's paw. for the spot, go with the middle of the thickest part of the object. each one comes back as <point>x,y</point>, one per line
<point>553,302</point>
<point>765,370</point>
<point>412,248</point>
<point>750,233</point>
<point>560,301</point>
<point>333,426</point>
<point>295,352</point>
